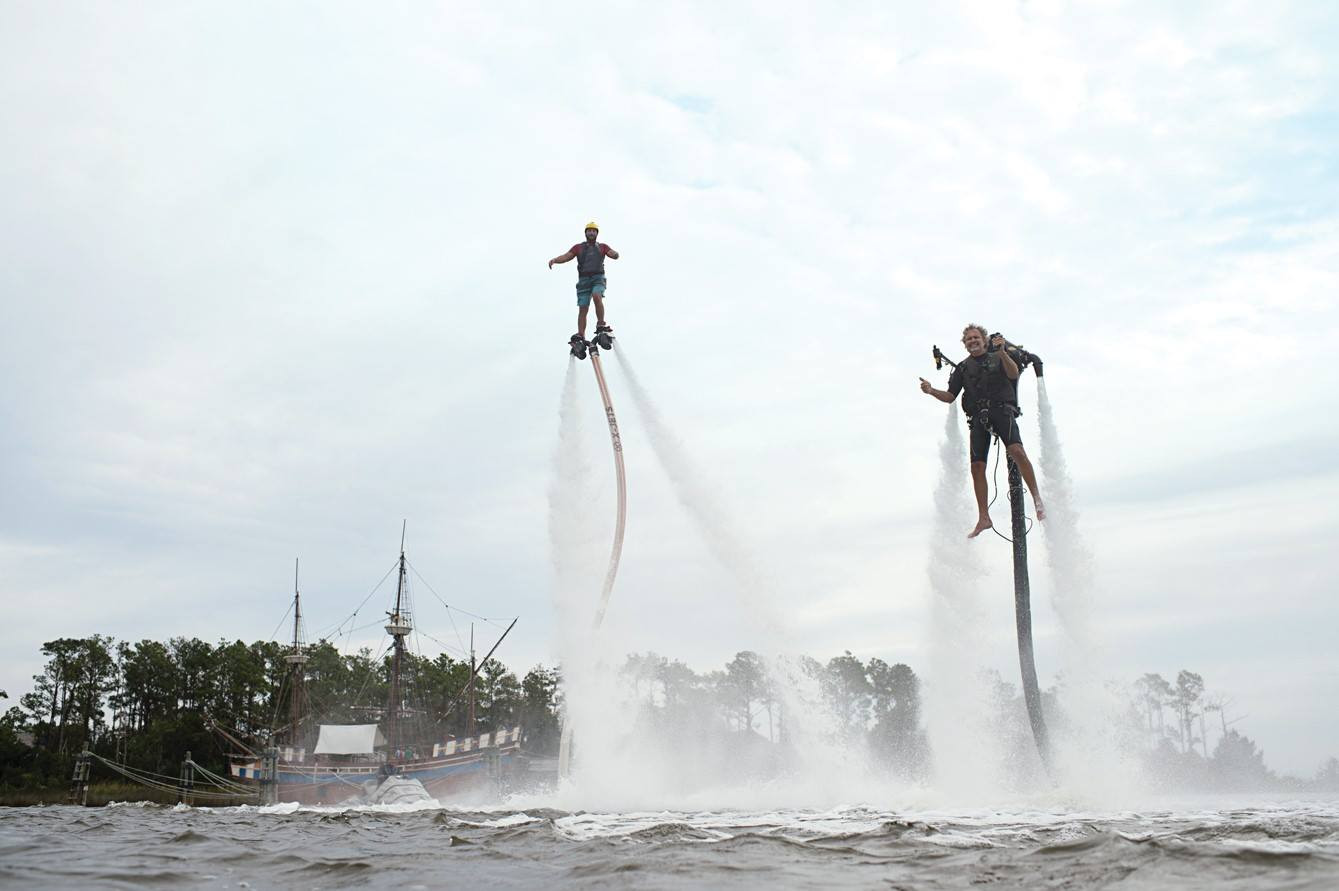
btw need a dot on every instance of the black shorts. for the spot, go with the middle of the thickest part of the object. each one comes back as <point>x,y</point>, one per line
<point>1003,421</point>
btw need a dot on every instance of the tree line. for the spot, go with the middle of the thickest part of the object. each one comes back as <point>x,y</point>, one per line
<point>148,702</point>
<point>873,704</point>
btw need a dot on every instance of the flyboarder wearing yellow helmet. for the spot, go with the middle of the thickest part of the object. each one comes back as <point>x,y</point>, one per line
<point>590,255</point>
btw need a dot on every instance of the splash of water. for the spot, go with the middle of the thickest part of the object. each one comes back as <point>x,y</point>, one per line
<point>966,761</point>
<point>703,507</point>
<point>574,546</point>
<point>633,763</point>
<point>571,530</point>
<point>1067,553</point>
<point>1089,754</point>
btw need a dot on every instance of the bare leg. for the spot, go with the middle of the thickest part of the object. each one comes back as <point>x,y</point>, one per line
<point>581,321</point>
<point>1025,468</point>
<point>599,308</point>
<point>979,486</point>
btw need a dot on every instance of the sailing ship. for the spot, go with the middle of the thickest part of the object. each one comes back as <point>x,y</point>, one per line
<point>390,758</point>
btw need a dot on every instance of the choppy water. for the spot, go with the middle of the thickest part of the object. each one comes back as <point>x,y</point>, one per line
<point>1283,845</point>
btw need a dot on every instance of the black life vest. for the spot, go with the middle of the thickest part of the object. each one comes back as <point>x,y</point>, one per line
<point>984,382</point>
<point>590,261</point>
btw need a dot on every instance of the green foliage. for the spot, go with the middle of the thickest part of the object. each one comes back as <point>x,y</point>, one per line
<point>148,703</point>
<point>539,709</point>
<point>874,702</point>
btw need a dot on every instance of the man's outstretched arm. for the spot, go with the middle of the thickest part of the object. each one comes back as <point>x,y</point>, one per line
<point>610,253</point>
<point>562,258</point>
<point>941,395</point>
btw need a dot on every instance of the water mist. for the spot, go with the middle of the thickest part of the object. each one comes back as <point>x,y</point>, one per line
<point>966,754</point>
<point>1088,753</point>
<point>575,545</point>
<point>817,770</point>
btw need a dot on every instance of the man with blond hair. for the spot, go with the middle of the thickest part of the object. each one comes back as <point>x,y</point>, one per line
<point>988,381</point>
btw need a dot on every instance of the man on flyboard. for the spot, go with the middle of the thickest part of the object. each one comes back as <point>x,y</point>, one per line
<point>590,256</point>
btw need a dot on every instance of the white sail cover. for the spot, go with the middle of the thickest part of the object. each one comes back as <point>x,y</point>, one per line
<point>349,739</point>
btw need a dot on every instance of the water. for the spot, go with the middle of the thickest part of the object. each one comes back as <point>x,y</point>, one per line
<point>1086,750</point>
<point>573,536</point>
<point>1067,552</point>
<point>677,757</point>
<point>965,757</point>
<point>1206,844</point>
<point>702,505</point>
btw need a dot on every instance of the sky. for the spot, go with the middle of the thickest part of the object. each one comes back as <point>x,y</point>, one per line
<point>273,281</point>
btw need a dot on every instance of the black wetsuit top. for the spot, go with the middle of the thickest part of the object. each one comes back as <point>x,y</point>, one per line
<point>982,381</point>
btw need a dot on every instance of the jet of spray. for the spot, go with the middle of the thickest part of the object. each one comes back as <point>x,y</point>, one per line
<point>574,545</point>
<point>1067,554</point>
<point>1088,753</point>
<point>702,506</point>
<point>966,761</point>
<point>819,768</point>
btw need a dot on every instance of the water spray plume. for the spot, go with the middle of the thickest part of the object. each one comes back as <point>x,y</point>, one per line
<point>631,760</point>
<point>573,541</point>
<point>1089,753</point>
<point>1068,555</point>
<point>699,501</point>
<point>966,759</point>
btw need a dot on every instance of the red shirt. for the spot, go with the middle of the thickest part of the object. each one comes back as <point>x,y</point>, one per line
<point>576,248</point>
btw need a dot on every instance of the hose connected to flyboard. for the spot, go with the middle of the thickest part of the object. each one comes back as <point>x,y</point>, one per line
<point>616,553</point>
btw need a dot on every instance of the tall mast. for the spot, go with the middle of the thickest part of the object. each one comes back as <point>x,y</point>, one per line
<point>297,660</point>
<point>470,727</point>
<point>398,626</point>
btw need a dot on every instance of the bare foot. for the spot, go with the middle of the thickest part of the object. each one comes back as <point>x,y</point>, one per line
<point>981,526</point>
<point>1041,510</point>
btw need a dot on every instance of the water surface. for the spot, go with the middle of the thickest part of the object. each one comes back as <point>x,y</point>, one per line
<point>1265,846</point>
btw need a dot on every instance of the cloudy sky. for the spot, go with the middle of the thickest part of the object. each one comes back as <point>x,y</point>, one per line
<point>274,280</point>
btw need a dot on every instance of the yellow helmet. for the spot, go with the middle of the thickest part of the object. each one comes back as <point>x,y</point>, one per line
<point>593,225</point>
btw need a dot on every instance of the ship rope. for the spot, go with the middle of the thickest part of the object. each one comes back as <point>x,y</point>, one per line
<point>171,785</point>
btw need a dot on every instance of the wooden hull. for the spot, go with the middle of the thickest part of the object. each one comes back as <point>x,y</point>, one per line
<point>469,774</point>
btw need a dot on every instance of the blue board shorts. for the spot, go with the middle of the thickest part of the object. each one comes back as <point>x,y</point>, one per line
<point>593,284</point>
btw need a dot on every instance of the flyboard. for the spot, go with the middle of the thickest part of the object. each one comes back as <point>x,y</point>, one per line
<point>1027,662</point>
<point>603,340</point>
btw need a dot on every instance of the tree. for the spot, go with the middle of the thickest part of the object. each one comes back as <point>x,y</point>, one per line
<point>1238,764</point>
<point>1189,688</point>
<point>539,712</point>
<point>643,671</point>
<point>148,687</point>
<point>194,662</point>
<point>65,705</point>
<point>95,677</point>
<point>847,690</point>
<point>1327,778</point>
<point>1155,693</point>
<point>897,734</point>
<point>677,681</point>
<point>744,682</point>
<point>499,696</point>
